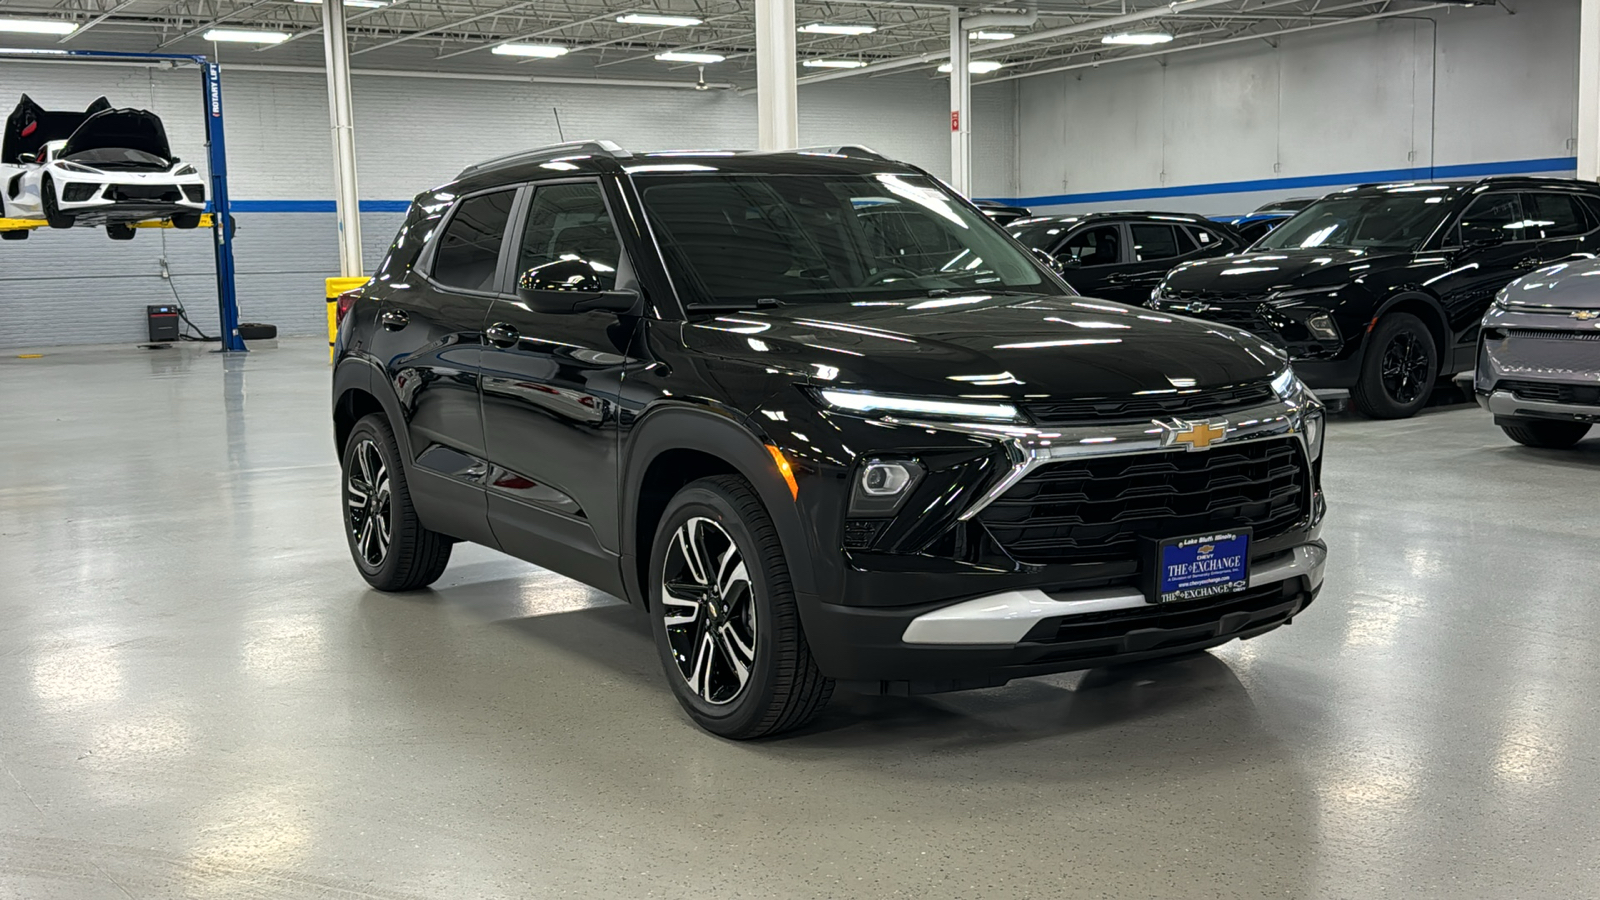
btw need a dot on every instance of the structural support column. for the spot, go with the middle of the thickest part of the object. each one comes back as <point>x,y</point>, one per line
<point>777,104</point>
<point>1589,91</point>
<point>340,114</point>
<point>960,108</point>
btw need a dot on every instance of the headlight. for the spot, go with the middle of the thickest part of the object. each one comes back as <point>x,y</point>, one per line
<point>1288,386</point>
<point>76,167</point>
<point>1501,300</point>
<point>1307,292</point>
<point>1314,428</point>
<point>863,401</point>
<point>883,485</point>
<point>185,169</point>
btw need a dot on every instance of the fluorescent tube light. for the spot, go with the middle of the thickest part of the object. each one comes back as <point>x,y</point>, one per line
<point>824,28</point>
<point>834,64</point>
<point>363,4</point>
<point>978,66</point>
<point>37,26</point>
<point>653,19</point>
<point>541,51</point>
<point>245,37</point>
<point>704,59</point>
<point>1152,37</point>
<point>976,35</point>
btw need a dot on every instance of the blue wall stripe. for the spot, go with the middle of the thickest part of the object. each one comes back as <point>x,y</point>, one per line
<point>315,206</point>
<point>1424,173</point>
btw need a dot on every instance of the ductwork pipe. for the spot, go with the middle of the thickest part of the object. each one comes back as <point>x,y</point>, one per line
<point>1025,18</point>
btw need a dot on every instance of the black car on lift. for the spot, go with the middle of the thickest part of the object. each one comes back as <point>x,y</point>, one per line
<point>821,419</point>
<point>1122,255</point>
<point>1381,288</point>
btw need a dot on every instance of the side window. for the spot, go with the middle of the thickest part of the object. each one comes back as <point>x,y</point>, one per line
<point>570,222</point>
<point>1553,215</point>
<point>1098,246</point>
<point>469,252</point>
<point>1205,237</point>
<point>424,216</point>
<point>1491,219</point>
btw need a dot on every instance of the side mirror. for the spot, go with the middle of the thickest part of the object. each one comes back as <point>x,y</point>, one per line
<point>1055,263</point>
<point>27,159</point>
<point>1482,238</point>
<point>570,286</point>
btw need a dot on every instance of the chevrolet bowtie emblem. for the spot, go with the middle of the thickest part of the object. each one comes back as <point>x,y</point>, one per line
<point>1584,315</point>
<point>1196,435</point>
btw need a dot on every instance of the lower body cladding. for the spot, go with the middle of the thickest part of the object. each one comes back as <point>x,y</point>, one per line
<point>989,640</point>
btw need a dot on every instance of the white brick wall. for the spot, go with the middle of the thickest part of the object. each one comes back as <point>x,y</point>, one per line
<point>80,287</point>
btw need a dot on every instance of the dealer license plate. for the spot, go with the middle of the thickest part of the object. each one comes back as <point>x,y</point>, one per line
<point>1202,566</point>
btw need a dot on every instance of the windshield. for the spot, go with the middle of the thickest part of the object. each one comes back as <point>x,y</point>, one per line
<point>118,158</point>
<point>1040,235</point>
<point>1398,221</point>
<point>743,239</point>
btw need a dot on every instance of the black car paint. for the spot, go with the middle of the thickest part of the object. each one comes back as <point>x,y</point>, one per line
<point>563,444</point>
<point>1446,285</point>
<point>1129,280</point>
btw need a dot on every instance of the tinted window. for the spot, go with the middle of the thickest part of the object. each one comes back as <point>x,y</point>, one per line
<point>569,221</point>
<point>1154,242</point>
<point>1040,235</point>
<point>827,239</point>
<point>469,253</point>
<point>1492,218</point>
<point>424,216</point>
<point>1207,237</point>
<point>1098,246</point>
<point>1553,215</point>
<point>1401,220</point>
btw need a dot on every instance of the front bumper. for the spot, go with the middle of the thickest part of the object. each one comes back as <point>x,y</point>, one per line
<point>987,641</point>
<point>1538,365</point>
<point>1505,404</point>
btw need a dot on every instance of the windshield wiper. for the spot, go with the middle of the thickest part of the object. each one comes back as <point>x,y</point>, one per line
<point>758,303</point>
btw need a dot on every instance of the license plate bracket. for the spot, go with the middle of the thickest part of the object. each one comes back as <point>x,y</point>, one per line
<point>1198,567</point>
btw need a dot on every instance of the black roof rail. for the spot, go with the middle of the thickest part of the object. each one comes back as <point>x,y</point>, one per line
<point>544,154</point>
<point>845,150</point>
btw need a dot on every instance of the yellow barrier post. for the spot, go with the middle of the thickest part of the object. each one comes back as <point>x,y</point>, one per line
<point>335,287</point>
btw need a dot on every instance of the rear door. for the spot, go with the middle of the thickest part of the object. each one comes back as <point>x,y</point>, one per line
<point>1560,224</point>
<point>430,339</point>
<point>1094,259</point>
<point>1157,247</point>
<point>550,388</point>
<point>1490,249</point>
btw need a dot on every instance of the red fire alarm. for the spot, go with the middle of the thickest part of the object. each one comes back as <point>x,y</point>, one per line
<point>955,120</point>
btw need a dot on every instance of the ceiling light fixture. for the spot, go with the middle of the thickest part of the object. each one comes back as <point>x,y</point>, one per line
<point>704,59</point>
<point>824,28</point>
<point>1144,39</point>
<point>978,66</point>
<point>653,19</point>
<point>245,37</point>
<point>363,4</point>
<point>834,64</point>
<point>976,35</point>
<point>37,26</point>
<point>539,51</point>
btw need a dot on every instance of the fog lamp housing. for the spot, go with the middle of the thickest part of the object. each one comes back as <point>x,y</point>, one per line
<point>1322,326</point>
<point>1314,428</point>
<point>882,486</point>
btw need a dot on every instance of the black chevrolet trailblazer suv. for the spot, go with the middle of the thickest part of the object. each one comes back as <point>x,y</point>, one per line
<point>822,420</point>
<point>1380,288</point>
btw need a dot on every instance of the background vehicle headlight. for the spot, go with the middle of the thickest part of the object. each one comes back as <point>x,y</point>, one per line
<point>1500,298</point>
<point>1314,428</point>
<point>883,485</point>
<point>186,169</point>
<point>863,401</point>
<point>1288,386</point>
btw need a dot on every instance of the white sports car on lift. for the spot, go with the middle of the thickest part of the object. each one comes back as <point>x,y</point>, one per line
<point>103,166</point>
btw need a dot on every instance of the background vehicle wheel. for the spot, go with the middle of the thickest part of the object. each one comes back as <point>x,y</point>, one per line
<point>186,220</point>
<point>20,234</point>
<point>257,331</point>
<point>390,546</point>
<point>1399,369</point>
<point>119,231</point>
<point>53,216</point>
<point>724,615</point>
<point>1551,435</point>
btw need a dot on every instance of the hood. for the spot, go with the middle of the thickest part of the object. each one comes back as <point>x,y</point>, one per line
<point>1574,285</point>
<point>120,129</point>
<point>31,126</point>
<point>1019,347</point>
<point>1260,273</point>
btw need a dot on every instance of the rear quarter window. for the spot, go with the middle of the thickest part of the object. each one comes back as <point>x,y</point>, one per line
<point>421,220</point>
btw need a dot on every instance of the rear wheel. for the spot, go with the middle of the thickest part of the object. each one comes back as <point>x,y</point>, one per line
<point>19,234</point>
<point>1550,435</point>
<point>186,220</point>
<point>1399,369</point>
<point>53,216</point>
<point>387,541</point>
<point>120,231</point>
<point>724,615</point>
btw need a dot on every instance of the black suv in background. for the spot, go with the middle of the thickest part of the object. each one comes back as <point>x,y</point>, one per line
<point>1380,288</point>
<point>1122,255</point>
<point>822,420</point>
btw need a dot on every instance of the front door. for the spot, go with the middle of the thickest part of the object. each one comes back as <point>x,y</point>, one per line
<point>550,388</point>
<point>430,339</point>
<point>1492,251</point>
<point>1093,260</point>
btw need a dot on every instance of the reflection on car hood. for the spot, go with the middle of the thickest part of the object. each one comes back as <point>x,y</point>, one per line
<point>1262,272</point>
<point>1016,347</point>
<point>1574,285</point>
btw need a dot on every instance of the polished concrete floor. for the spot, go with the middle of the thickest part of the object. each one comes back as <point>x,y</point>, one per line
<point>200,698</point>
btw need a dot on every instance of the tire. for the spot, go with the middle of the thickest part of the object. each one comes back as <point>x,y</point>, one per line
<point>1549,435</point>
<point>186,221</point>
<point>53,216</point>
<point>1398,370</point>
<point>376,500</point>
<point>711,623</point>
<point>20,234</point>
<point>255,331</point>
<point>120,231</point>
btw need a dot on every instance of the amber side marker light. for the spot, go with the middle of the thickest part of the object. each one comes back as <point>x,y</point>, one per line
<point>786,470</point>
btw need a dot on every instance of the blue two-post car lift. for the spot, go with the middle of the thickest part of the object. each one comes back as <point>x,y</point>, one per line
<point>216,164</point>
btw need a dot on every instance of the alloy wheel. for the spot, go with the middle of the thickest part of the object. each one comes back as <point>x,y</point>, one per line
<point>369,506</point>
<point>709,608</point>
<point>1405,368</point>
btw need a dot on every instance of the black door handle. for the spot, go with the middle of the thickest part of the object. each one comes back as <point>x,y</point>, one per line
<point>1529,263</point>
<point>501,334</point>
<point>394,319</point>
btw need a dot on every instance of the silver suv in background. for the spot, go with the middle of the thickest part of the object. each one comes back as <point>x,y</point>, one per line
<point>1539,355</point>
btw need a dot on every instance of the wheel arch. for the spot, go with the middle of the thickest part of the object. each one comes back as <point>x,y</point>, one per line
<point>357,392</point>
<point>1427,308</point>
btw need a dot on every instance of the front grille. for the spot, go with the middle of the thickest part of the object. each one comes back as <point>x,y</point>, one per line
<point>77,193</point>
<point>1096,510</point>
<point>1137,409</point>
<point>1551,334</point>
<point>196,193</point>
<point>1549,392</point>
<point>163,193</point>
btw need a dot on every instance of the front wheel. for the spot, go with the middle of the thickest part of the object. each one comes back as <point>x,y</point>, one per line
<point>1398,370</point>
<point>186,220</point>
<point>387,541</point>
<point>724,615</point>
<point>53,216</point>
<point>1550,435</point>
<point>120,231</point>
